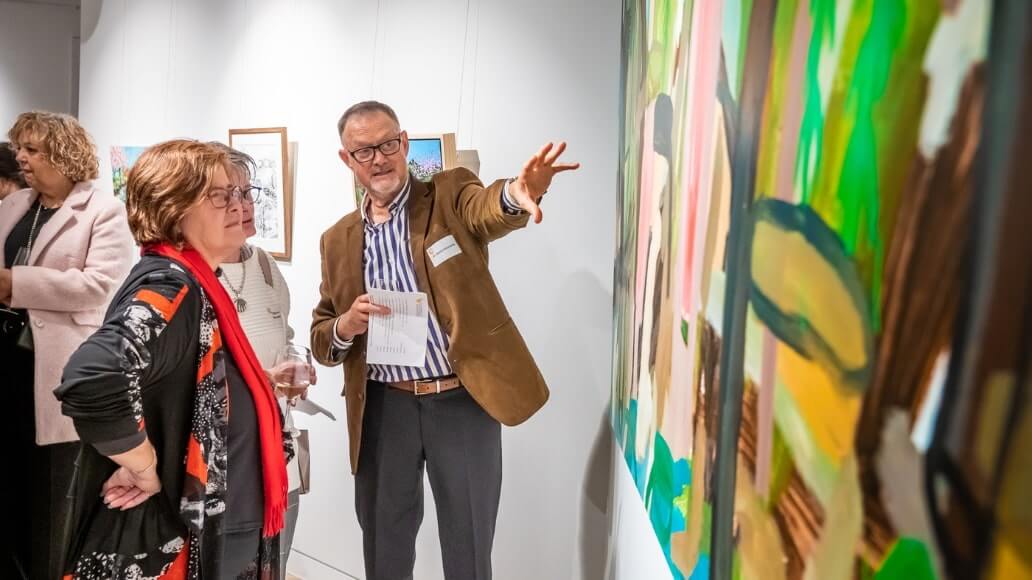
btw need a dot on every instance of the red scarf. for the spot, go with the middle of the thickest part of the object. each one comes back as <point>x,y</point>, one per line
<point>270,429</point>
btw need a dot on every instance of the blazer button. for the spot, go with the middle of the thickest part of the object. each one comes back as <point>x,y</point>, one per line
<point>38,323</point>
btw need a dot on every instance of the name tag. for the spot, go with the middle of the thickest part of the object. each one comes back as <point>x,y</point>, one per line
<point>443,250</point>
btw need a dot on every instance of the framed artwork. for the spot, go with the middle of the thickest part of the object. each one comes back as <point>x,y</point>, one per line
<point>274,209</point>
<point>122,159</point>
<point>429,154</point>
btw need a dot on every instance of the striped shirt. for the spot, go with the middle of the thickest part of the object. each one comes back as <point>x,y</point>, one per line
<point>387,264</point>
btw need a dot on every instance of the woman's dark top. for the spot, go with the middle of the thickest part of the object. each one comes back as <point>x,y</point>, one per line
<point>136,378</point>
<point>19,236</point>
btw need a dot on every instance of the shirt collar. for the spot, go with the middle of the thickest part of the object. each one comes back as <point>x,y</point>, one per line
<point>399,202</point>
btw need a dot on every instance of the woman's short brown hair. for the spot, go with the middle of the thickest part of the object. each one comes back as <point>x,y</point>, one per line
<point>66,145</point>
<point>165,182</point>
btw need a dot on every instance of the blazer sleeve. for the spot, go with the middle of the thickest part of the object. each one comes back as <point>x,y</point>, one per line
<point>324,316</point>
<point>108,259</point>
<point>480,208</point>
<point>146,335</point>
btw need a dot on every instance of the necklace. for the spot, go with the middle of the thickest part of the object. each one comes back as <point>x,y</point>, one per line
<point>238,300</point>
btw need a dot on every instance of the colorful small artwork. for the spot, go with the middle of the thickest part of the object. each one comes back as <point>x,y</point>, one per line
<point>122,159</point>
<point>427,156</point>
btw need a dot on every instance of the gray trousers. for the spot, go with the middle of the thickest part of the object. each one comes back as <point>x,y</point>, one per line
<point>460,447</point>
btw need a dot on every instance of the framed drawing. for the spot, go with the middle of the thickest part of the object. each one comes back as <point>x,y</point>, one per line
<point>274,208</point>
<point>428,154</point>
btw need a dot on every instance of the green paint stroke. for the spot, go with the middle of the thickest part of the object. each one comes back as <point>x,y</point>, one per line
<point>747,6</point>
<point>907,560</point>
<point>781,52</point>
<point>780,469</point>
<point>871,130</point>
<point>811,137</point>
<point>659,493</point>
<point>663,51</point>
<point>681,130</point>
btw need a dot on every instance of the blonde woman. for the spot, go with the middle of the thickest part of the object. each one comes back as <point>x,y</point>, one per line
<point>66,247</point>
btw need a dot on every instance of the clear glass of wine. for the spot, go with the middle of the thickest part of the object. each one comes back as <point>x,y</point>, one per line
<point>292,374</point>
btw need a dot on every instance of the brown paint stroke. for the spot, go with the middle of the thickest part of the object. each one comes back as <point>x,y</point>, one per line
<point>797,513</point>
<point>922,290</point>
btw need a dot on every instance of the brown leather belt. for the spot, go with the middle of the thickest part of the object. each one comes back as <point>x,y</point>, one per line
<point>427,386</point>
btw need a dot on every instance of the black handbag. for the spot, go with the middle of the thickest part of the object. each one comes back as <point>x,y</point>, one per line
<point>14,328</point>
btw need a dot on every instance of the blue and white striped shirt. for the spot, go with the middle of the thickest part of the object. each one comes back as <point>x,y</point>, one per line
<point>387,263</point>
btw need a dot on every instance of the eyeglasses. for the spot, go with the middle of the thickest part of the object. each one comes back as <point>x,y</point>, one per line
<point>388,148</point>
<point>221,198</point>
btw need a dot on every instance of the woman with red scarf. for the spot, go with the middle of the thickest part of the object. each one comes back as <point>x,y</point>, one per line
<point>167,397</point>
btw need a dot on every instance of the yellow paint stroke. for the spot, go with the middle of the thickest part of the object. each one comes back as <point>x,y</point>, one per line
<point>1008,562</point>
<point>720,211</point>
<point>684,546</point>
<point>811,288</point>
<point>1012,552</point>
<point>834,555</point>
<point>759,540</point>
<point>830,412</point>
<point>992,418</point>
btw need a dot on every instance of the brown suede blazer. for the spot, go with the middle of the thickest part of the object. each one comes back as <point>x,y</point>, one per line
<point>486,351</point>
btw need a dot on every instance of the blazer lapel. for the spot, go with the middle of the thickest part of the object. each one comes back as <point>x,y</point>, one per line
<point>419,221</point>
<point>75,201</point>
<point>354,273</point>
<point>11,210</point>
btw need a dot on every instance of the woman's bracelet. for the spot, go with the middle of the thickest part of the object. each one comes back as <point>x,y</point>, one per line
<point>150,465</point>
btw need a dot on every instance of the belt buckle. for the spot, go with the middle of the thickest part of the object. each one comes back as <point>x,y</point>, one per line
<point>426,382</point>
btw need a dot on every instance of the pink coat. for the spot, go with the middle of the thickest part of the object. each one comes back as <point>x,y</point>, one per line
<point>78,260</point>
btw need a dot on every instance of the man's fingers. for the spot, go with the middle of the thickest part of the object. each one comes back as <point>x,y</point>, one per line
<point>551,157</point>
<point>533,209</point>
<point>369,308</point>
<point>560,167</point>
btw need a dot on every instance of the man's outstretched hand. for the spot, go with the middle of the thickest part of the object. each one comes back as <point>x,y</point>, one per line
<point>536,176</point>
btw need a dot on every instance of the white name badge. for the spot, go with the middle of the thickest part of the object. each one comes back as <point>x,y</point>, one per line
<point>443,250</point>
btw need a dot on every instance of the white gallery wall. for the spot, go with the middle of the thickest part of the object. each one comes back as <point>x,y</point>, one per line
<point>505,77</point>
<point>39,44</point>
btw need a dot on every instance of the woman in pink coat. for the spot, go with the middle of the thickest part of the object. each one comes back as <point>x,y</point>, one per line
<point>66,247</point>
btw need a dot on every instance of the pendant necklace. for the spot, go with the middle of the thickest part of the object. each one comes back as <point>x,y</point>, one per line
<point>241,304</point>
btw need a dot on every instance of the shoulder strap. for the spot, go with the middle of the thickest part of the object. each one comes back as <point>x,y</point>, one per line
<point>263,261</point>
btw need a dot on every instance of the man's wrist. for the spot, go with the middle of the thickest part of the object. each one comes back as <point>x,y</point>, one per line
<point>509,203</point>
<point>339,339</point>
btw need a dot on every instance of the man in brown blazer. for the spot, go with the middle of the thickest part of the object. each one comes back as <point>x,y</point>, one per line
<point>444,415</point>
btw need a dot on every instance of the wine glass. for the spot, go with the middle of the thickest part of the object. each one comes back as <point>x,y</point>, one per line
<point>292,374</point>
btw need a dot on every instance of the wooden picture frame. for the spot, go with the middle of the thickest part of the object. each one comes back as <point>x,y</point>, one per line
<point>429,153</point>
<point>274,210</point>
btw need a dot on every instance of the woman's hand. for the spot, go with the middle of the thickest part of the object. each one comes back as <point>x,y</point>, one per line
<point>126,489</point>
<point>287,374</point>
<point>135,480</point>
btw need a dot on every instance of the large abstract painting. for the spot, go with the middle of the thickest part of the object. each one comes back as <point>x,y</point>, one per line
<point>796,238</point>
